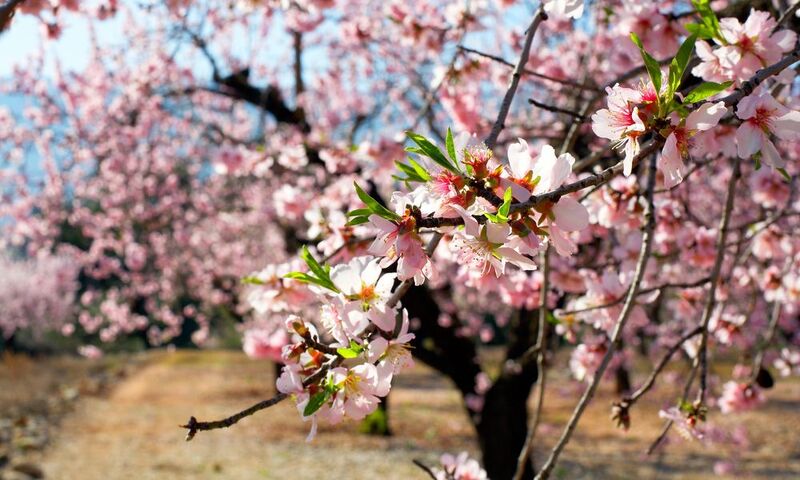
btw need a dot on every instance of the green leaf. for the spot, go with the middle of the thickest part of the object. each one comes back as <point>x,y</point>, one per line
<point>316,402</point>
<point>552,319</point>
<point>357,221</point>
<point>414,172</point>
<point>312,263</point>
<point>352,351</point>
<point>306,278</point>
<point>492,217</point>
<point>252,280</point>
<point>700,30</point>
<point>359,212</point>
<point>426,148</point>
<point>704,91</point>
<point>319,275</point>
<point>710,21</point>
<point>347,352</point>
<point>785,174</point>
<point>375,206</point>
<point>650,63</point>
<point>678,65</point>
<point>451,147</point>
<point>506,206</point>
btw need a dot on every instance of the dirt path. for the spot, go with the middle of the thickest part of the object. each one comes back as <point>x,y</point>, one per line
<point>133,434</point>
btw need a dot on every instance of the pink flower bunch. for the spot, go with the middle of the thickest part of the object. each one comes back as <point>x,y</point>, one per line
<point>763,116</point>
<point>37,294</point>
<point>460,467</point>
<point>739,397</point>
<point>743,49</point>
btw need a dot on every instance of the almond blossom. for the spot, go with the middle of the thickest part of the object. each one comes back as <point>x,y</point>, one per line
<point>484,248</point>
<point>361,280</point>
<point>399,242</point>
<point>763,116</point>
<point>744,48</point>
<point>676,147</point>
<point>621,122</point>
<point>564,8</point>
<point>544,174</point>
<point>359,390</point>
<point>459,467</point>
<point>738,397</point>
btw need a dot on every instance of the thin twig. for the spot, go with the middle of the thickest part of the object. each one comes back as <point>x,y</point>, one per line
<point>554,109</point>
<point>194,426</point>
<point>644,291</point>
<point>711,299</point>
<point>527,71</point>
<point>641,265</point>
<point>491,140</point>
<point>424,468</point>
<point>648,384</point>
<point>786,15</point>
<point>772,327</point>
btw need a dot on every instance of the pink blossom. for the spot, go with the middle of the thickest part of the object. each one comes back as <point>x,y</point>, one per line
<point>739,397</point>
<point>399,242</point>
<point>676,147</point>
<point>762,116</point>
<point>258,343</point>
<point>621,122</point>
<point>748,48</point>
<point>687,424</point>
<point>359,389</point>
<point>459,467</point>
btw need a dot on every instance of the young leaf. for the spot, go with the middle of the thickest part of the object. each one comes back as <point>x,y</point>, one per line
<point>704,91</point>
<point>650,63</point>
<point>347,352</point>
<point>313,264</point>
<point>252,280</point>
<point>426,148</point>
<point>678,65</point>
<point>506,206</point>
<point>710,21</point>
<point>785,174</point>
<point>451,147</point>
<point>357,221</point>
<point>316,402</point>
<point>359,212</point>
<point>552,319</point>
<point>700,30</point>
<point>374,206</point>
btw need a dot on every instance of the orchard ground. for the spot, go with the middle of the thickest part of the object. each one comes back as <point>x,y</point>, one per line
<point>121,416</point>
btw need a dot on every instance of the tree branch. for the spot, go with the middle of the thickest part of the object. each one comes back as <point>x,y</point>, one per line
<point>641,265</point>
<point>491,140</point>
<point>711,300</point>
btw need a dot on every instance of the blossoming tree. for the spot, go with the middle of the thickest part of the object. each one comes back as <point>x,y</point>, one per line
<point>400,190</point>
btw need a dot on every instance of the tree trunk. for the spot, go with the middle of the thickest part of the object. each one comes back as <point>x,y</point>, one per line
<point>503,425</point>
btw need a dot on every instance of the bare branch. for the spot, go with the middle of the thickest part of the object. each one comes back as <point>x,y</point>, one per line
<point>7,11</point>
<point>711,300</point>
<point>424,468</point>
<point>532,73</point>
<point>194,426</point>
<point>641,264</point>
<point>491,140</point>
